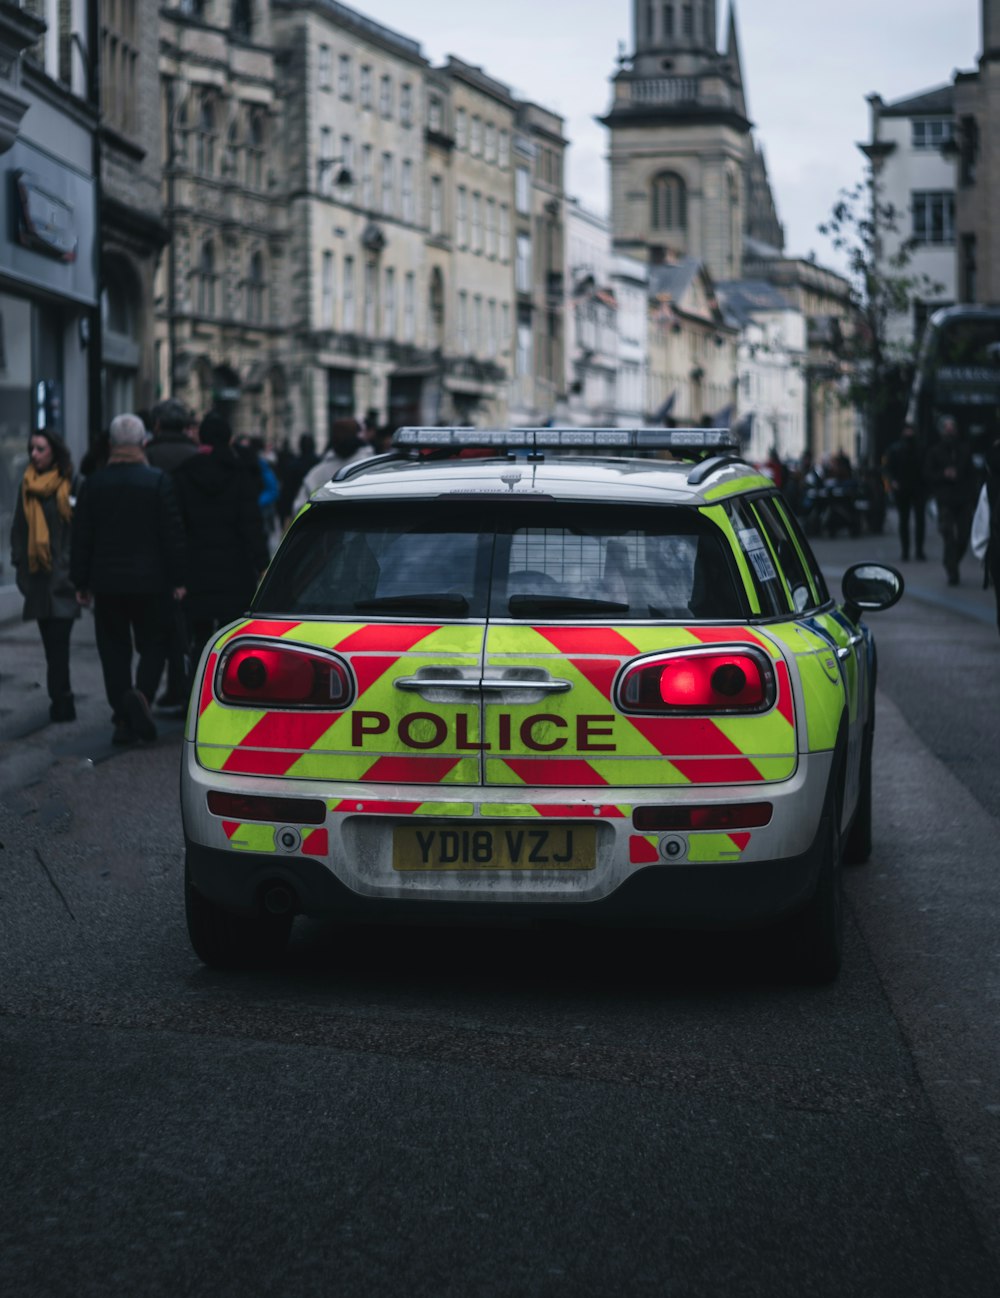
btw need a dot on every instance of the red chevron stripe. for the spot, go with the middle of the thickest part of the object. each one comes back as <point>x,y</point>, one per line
<point>685,735</point>
<point>587,640</point>
<point>577,812</point>
<point>264,627</point>
<point>600,672</point>
<point>740,840</point>
<point>386,637</point>
<point>317,844</point>
<point>786,704</point>
<point>369,670</point>
<point>410,770</point>
<point>376,808</point>
<point>720,634</point>
<point>641,852</point>
<point>206,683</point>
<point>723,770</point>
<point>554,770</point>
<point>230,827</point>
<point>264,751</point>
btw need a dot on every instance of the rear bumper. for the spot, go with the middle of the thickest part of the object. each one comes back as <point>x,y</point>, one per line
<point>672,896</point>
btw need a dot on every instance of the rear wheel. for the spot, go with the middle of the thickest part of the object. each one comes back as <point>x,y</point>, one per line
<point>223,940</point>
<point>815,933</point>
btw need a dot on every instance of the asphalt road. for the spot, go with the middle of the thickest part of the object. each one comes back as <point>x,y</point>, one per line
<point>503,1113</point>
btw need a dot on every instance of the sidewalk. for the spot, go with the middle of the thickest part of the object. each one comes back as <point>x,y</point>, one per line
<point>29,743</point>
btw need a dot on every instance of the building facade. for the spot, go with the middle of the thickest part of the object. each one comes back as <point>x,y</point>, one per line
<point>911,155</point>
<point>977,178</point>
<point>49,251</point>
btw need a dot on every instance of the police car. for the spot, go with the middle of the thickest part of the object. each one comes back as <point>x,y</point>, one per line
<point>582,674</point>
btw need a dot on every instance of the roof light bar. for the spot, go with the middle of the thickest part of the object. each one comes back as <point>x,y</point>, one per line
<point>680,440</point>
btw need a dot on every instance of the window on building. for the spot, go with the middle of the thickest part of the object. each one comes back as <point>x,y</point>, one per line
<point>476,239</point>
<point>668,208</point>
<point>389,304</point>
<point>206,138</point>
<point>668,21</point>
<point>463,321</point>
<point>367,178</point>
<point>365,93</point>
<point>206,280</point>
<point>407,206</point>
<point>968,156</point>
<point>256,145</point>
<point>371,298</point>
<point>933,216</point>
<point>491,327</point>
<point>437,206</point>
<point>388,195</point>
<point>345,87</point>
<point>522,190</point>
<point>461,217</point>
<point>687,20</point>
<point>505,325</point>
<point>490,142</point>
<point>242,19</point>
<point>347,298</point>
<point>406,104</point>
<point>326,292</point>
<point>477,324</point>
<point>491,228</point>
<point>503,149</point>
<point>461,129</point>
<point>522,361</point>
<point>325,165</point>
<point>476,136</point>
<point>522,266</point>
<point>385,96</point>
<point>931,132</point>
<point>119,62</point>
<point>505,232</point>
<point>324,67</point>
<point>409,307</point>
<point>256,289</point>
<point>435,113</point>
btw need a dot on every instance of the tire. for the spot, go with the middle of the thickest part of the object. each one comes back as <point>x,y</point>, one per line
<point>858,845</point>
<point>223,940</point>
<point>814,934</point>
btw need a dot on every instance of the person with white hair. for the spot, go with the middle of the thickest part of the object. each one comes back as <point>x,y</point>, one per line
<point>127,553</point>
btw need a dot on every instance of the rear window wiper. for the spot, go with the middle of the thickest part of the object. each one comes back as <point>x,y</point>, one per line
<point>424,603</point>
<point>528,605</point>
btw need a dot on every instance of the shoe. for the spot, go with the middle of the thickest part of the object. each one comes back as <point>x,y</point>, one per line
<point>953,579</point>
<point>62,709</point>
<point>136,708</point>
<point>122,734</point>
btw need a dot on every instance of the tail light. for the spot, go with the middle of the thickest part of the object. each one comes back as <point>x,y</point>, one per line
<point>251,806</point>
<point>746,815</point>
<point>739,680</point>
<point>274,674</point>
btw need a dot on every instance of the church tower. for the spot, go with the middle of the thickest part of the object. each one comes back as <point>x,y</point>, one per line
<point>680,139</point>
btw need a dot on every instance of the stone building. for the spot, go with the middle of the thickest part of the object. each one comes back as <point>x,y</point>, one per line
<point>223,287</point>
<point>977,181</point>
<point>49,253</point>
<point>692,347</point>
<point>538,382</point>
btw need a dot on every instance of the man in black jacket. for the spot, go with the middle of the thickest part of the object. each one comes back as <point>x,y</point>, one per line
<point>128,553</point>
<point>909,495</point>
<point>951,475</point>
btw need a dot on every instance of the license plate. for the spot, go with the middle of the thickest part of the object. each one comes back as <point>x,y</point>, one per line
<point>494,847</point>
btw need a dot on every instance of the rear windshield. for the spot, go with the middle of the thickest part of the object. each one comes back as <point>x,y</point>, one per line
<point>543,560</point>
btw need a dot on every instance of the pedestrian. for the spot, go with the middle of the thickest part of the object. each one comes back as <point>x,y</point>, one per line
<point>909,494</point>
<point>292,472</point>
<point>950,474</point>
<point>346,447</point>
<point>224,534</point>
<point>127,556</point>
<point>985,534</point>
<point>168,448</point>
<point>40,552</point>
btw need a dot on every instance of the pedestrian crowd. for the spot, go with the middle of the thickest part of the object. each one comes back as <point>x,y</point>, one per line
<point>164,533</point>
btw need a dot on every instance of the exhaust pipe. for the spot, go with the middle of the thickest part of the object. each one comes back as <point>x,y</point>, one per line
<point>278,899</point>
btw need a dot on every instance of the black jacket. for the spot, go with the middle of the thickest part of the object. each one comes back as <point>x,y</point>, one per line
<point>904,467</point>
<point>226,546</point>
<point>963,487</point>
<point>127,534</point>
<point>168,451</point>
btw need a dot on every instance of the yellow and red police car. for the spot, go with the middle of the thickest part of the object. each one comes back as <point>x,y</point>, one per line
<point>571,678</point>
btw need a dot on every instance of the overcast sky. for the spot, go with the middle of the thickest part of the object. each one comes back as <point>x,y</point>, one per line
<point>807,69</point>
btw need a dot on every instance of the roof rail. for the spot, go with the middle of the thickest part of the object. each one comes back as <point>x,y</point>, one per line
<point>362,466</point>
<point>707,467</point>
<point>681,441</point>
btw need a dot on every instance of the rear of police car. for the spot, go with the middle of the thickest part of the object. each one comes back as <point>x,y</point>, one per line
<point>501,687</point>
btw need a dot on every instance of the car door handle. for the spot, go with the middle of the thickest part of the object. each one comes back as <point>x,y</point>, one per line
<point>845,651</point>
<point>527,683</point>
<point>417,683</point>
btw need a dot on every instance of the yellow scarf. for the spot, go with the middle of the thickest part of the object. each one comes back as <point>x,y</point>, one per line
<point>36,487</point>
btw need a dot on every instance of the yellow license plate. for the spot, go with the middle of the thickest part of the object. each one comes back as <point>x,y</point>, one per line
<point>494,847</point>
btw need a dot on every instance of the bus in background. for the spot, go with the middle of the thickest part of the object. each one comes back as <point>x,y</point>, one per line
<point>958,374</point>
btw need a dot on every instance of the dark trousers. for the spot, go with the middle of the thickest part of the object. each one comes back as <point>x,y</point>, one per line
<point>954,524</point>
<point>911,503</point>
<point>55,633</point>
<point>178,682</point>
<point>119,618</point>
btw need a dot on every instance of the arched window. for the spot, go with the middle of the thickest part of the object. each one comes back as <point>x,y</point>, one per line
<point>668,207</point>
<point>206,138</point>
<point>230,159</point>
<point>255,152</point>
<point>256,289</point>
<point>206,279</point>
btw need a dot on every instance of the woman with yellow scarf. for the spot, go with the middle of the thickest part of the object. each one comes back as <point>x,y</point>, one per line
<point>39,547</point>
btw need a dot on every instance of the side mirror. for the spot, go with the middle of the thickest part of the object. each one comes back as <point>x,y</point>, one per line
<point>869,588</point>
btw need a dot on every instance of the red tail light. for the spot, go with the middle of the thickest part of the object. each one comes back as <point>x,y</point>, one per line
<point>272,674</point>
<point>699,680</point>
<point>250,806</point>
<point>746,815</point>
